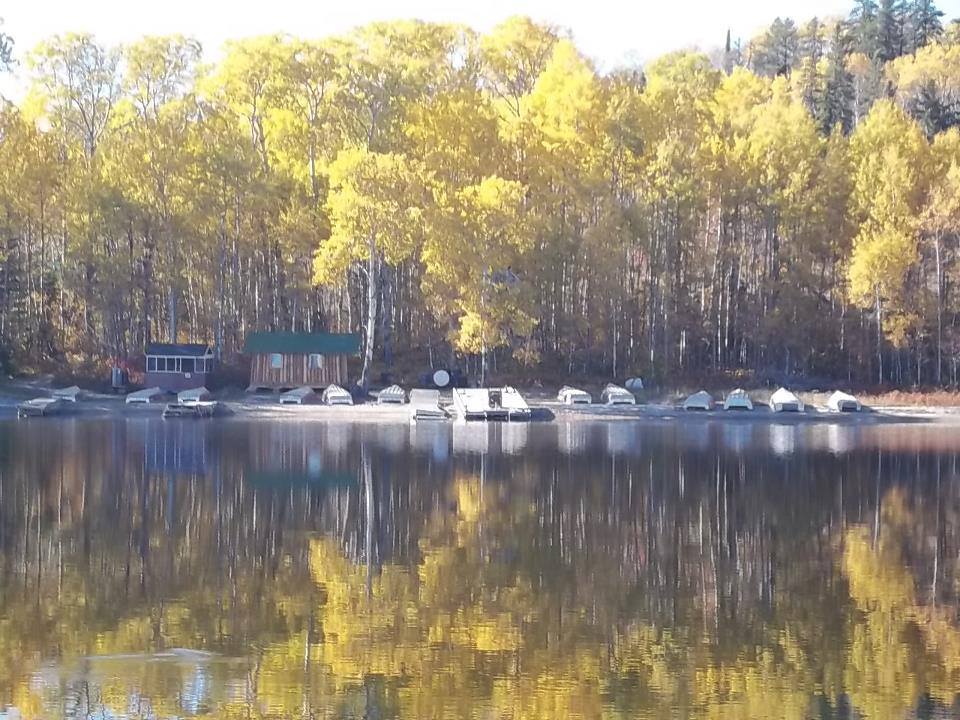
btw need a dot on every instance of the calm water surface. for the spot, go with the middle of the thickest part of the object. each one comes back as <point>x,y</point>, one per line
<point>234,569</point>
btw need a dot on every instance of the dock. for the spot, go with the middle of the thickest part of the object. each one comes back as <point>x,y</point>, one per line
<point>39,407</point>
<point>195,410</point>
<point>490,404</point>
<point>425,405</point>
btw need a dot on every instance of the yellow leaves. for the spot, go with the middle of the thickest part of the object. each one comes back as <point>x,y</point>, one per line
<point>373,208</point>
<point>880,260</point>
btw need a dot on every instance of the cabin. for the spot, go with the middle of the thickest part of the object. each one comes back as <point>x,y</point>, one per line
<point>287,360</point>
<point>173,367</point>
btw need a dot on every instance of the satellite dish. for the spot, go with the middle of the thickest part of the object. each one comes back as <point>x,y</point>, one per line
<point>441,378</point>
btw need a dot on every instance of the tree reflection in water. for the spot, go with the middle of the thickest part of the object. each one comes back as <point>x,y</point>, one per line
<point>287,570</point>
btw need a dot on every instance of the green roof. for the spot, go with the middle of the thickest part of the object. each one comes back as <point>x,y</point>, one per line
<point>292,343</point>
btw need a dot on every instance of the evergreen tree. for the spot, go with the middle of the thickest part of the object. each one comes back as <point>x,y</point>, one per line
<point>864,30</point>
<point>776,51</point>
<point>923,24</point>
<point>838,85</point>
<point>890,30</point>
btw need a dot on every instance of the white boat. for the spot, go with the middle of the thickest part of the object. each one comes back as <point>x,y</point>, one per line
<point>738,400</point>
<point>785,401</point>
<point>69,394</point>
<point>336,395</point>
<point>574,396</point>
<point>425,405</point>
<point>616,395</point>
<point>843,402</point>
<point>193,396</point>
<point>699,401</point>
<point>299,396</point>
<point>145,396</point>
<point>490,404</point>
<point>393,395</point>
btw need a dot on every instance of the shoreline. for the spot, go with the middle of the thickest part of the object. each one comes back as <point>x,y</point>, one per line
<point>268,408</point>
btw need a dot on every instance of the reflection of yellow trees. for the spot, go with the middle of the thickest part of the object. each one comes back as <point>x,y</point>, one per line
<point>898,648</point>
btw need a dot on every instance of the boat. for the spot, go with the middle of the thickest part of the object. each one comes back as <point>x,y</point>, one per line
<point>699,401</point>
<point>785,401</point>
<point>69,394</point>
<point>39,407</point>
<point>490,404</point>
<point>843,402</point>
<point>145,396</point>
<point>336,395</point>
<point>574,396</point>
<point>193,396</point>
<point>616,395</point>
<point>738,400</point>
<point>299,396</point>
<point>425,405</point>
<point>393,395</point>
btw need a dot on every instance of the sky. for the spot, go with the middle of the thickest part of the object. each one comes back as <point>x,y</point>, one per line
<point>611,32</point>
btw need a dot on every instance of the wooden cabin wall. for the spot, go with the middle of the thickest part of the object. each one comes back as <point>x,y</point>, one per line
<point>296,371</point>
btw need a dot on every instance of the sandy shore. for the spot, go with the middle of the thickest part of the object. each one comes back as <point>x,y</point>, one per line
<point>545,409</point>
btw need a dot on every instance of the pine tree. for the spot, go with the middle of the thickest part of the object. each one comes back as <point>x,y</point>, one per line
<point>924,24</point>
<point>864,27</point>
<point>838,85</point>
<point>890,30</point>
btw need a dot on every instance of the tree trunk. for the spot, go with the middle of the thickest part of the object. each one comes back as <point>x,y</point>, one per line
<point>939,310</point>
<point>373,295</point>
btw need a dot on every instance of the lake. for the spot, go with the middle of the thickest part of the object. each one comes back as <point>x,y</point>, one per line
<point>625,569</point>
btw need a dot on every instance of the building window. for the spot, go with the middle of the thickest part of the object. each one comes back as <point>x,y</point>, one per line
<point>316,361</point>
<point>276,361</point>
<point>187,365</point>
<point>151,364</point>
<point>200,365</point>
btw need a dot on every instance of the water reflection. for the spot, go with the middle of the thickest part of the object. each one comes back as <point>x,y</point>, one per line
<point>283,570</point>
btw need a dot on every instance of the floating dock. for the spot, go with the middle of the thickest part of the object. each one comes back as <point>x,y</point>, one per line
<point>195,410</point>
<point>425,405</point>
<point>39,407</point>
<point>503,404</point>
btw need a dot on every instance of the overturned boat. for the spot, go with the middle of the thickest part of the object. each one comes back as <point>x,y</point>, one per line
<point>145,396</point>
<point>843,402</point>
<point>490,404</point>
<point>574,396</point>
<point>304,395</point>
<point>616,395</point>
<point>393,395</point>
<point>785,401</point>
<point>699,401</point>
<point>738,400</point>
<point>336,395</point>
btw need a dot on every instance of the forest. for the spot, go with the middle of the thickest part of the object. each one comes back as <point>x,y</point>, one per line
<point>787,205</point>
